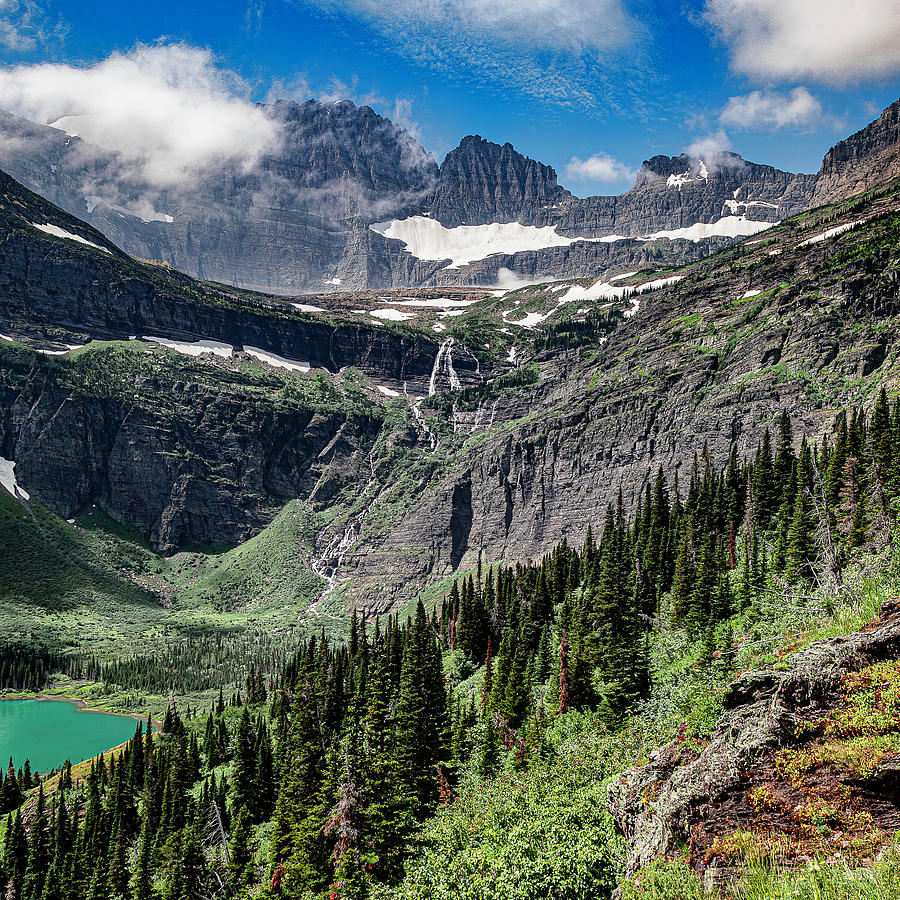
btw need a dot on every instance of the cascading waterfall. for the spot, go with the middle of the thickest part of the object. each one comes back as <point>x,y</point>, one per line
<point>443,363</point>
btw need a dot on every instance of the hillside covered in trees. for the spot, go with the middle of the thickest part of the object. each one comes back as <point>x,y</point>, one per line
<point>469,745</point>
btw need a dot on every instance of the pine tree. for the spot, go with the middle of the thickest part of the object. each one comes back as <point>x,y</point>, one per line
<point>142,878</point>
<point>799,540</point>
<point>239,850</point>
<point>489,751</point>
<point>243,780</point>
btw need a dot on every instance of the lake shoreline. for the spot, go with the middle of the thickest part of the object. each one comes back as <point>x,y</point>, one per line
<point>81,703</point>
<point>47,729</point>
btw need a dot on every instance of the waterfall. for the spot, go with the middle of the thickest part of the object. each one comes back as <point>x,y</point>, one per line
<point>443,362</point>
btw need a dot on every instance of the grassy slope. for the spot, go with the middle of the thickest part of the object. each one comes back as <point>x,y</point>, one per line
<point>95,587</point>
<point>55,587</point>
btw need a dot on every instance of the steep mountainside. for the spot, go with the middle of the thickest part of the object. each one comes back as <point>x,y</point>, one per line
<point>294,221</point>
<point>490,425</point>
<point>483,182</point>
<point>187,452</point>
<point>63,282</point>
<point>866,159</point>
<point>804,320</point>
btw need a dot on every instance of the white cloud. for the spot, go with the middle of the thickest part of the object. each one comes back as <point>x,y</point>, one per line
<point>24,24</point>
<point>168,109</point>
<point>831,41</point>
<point>554,24</point>
<point>599,167</point>
<point>710,146</point>
<point>566,53</point>
<point>771,109</point>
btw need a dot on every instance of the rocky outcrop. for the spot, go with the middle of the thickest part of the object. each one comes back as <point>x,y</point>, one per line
<point>481,182</point>
<point>865,160</point>
<point>684,797</point>
<point>299,219</point>
<point>484,182</point>
<point>292,223</point>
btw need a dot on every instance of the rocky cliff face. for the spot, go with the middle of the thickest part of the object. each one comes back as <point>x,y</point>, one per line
<point>292,223</point>
<point>793,321</point>
<point>803,318</point>
<point>191,453</point>
<point>865,160</point>
<point>483,182</point>
<point>299,220</point>
<point>55,285</point>
<point>675,192</point>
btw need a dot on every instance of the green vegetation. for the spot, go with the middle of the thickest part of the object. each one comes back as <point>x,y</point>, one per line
<point>467,752</point>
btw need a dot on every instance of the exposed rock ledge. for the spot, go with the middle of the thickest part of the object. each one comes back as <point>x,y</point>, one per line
<point>737,783</point>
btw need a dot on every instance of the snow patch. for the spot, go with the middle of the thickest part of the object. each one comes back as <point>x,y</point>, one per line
<point>334,281</point>
<point>530,320</point>
<point>392,315</point>
<point>622,276</point>
<point>602,290</point>
<point>734,206</point>
<point>750,294</point>
<point>658,284</point>
<point>727,226</point>
<point>193,348</point>
<point>306,307</point>
<point>438,327</point>
<point>427,239</point>
<point>832,232</point>
<point>56,231</point>
<point>387,391</point>
<point>679,181</point>
<point>280,362</point>
<point>8,479</point>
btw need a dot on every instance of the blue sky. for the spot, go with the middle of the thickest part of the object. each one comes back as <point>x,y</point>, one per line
<point>591,87</point>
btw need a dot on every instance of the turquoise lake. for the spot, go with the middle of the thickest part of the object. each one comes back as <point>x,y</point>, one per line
<point>48,732</point>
